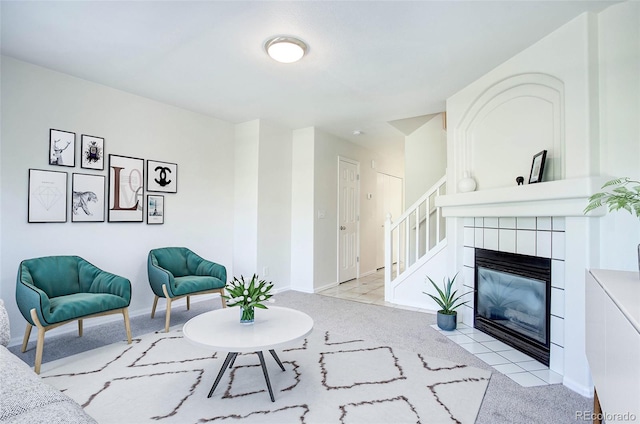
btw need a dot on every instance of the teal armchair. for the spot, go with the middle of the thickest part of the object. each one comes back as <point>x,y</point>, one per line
<point>176,272</point>
<point>55,290</point>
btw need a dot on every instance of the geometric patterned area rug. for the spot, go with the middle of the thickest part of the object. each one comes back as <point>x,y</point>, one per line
<point>162,378</point>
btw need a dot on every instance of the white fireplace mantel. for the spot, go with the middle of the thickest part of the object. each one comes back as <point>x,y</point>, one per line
<point>554,198</point>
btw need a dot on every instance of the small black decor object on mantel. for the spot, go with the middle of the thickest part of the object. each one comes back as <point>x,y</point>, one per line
<point>520,180</point>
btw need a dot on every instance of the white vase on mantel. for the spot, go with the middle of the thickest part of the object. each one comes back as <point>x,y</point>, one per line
<point>466,184</point>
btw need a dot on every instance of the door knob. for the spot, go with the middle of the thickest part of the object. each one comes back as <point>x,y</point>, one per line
<point>342,227</point>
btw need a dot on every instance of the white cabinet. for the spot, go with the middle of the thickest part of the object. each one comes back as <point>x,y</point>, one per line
<point>613,340</point>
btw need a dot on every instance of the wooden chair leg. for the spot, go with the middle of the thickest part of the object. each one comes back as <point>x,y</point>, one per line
<point>188,303</point>
<point>39,350</point>
<point>168,318</point>
<point>127,326</point>
<point>224,302</point>
<point>27,334</point>
<point>40,342</point>
<point>153,310</point>
<point>80,328</point>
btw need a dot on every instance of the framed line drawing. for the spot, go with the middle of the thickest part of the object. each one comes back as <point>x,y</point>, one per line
<point>87,198</point>
<point>155,209</point>
<point>537,167</point>
<point>62,148</point>
<point>92,152</point>
<point>47,200</point>
<point>126,179</point>
<point>162,176</point>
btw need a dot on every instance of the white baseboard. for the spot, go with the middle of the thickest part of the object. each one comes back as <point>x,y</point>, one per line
<point>325,287</point>
<point>581,389</point>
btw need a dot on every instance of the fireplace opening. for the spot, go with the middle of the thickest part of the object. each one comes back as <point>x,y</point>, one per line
<point>513,300</point>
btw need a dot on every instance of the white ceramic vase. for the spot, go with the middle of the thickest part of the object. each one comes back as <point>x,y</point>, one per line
<point>466,184</point>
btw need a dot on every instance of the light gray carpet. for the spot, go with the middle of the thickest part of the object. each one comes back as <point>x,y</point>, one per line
<point>505,401</point>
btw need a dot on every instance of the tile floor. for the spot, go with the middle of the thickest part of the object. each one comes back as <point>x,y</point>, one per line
<point>519,367</point>
<point>367,289</point>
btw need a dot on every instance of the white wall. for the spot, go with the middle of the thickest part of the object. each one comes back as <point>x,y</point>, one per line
<point>425,159</point>
<point>245,234</point>
<point>274,205</point>
<point>619,50</point>
<point>302,209</point>
<point>199,215</point>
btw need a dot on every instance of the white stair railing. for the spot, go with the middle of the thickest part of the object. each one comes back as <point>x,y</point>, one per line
<point>419,230</point>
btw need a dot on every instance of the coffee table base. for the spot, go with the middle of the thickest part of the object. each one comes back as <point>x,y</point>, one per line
<point>231,358</point>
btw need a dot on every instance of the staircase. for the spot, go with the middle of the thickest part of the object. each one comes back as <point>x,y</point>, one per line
<point>412,241</point>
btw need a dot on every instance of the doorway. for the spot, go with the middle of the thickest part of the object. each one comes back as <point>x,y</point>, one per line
<point>348,219</point>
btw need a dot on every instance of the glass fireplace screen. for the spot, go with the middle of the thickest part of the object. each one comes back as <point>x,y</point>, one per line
<point>513,302</point>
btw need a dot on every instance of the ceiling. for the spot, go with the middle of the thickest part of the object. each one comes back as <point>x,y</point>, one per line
<point>369,63</point>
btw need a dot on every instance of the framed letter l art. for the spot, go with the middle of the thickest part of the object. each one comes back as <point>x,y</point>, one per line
<point>126,178</point>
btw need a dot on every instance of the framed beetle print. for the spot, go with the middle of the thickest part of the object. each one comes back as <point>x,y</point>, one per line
<point>92,151</point>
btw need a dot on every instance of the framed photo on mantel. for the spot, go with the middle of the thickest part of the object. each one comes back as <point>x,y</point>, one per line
<point>537,167</point>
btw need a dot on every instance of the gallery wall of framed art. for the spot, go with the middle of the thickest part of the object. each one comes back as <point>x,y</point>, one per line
<point>119,195</point>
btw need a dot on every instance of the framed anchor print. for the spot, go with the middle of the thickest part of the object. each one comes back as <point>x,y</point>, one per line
<point>92,151</point>
<point>126,180</point>
<point>47,196</point>
<point>162,176</point>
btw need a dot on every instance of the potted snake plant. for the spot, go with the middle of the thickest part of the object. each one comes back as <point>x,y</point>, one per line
<point>448,301</point>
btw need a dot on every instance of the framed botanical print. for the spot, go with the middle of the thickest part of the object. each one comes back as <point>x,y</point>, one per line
<point>155,209</point>
<point>47,200</point>
<point>126,179</point>
<point>92,149</point>
<point>62,148</point>
<point>87,198</point>
<point>162,176</point>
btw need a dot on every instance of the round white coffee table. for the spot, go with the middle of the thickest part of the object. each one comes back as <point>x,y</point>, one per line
<point>220,330</point>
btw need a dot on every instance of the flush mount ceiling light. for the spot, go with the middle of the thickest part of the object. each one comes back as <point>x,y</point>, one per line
<point>285,49</point>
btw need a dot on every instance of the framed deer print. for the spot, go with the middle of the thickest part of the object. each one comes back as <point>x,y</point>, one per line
<point>62,148</point>
<point>126,179</point>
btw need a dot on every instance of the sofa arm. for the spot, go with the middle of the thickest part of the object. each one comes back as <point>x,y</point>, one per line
<point>158,277</point>
<point>5,333</point>
<point>28,297</point>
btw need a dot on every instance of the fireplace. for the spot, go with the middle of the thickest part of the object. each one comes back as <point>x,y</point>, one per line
<point>513,300</point>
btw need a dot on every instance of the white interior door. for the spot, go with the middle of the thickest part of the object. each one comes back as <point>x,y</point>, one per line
<point>348,209</point>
